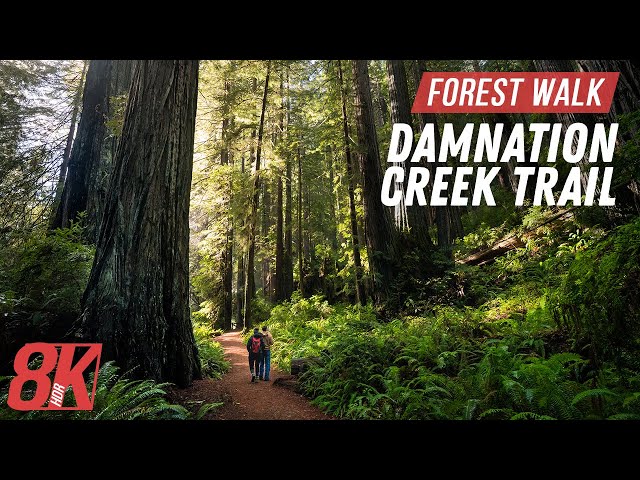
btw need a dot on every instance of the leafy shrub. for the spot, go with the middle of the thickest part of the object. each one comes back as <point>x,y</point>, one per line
<point>600,297</point>
<point>211,353</point>
<point>457,363</point>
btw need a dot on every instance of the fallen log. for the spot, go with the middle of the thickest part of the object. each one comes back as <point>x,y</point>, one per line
<point>510,243</point>
<point>299,365</point>
<point>496,250</point>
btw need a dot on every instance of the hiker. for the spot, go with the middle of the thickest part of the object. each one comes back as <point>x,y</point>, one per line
<point>255,347</point>
<point>265,364</point>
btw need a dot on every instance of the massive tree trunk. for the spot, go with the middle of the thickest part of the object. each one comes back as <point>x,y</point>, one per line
<point>87,147</point>
<point>120,83</point>
<point>379,232</point>
<point>415,217</point>
<point>137,300</point>
<point>351,187</point>
<point>250,286</point>
<point>67,148</point>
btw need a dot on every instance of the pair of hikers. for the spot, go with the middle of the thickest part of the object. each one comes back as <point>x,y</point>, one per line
<point>259,348</point>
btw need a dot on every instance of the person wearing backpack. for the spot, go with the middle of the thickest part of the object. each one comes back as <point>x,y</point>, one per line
<point>255,347</point>
<point>265,365</point>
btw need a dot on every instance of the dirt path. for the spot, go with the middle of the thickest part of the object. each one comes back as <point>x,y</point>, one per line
<point>244,400</point>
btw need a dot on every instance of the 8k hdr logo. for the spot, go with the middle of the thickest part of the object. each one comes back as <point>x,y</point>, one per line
<point>66,375</point>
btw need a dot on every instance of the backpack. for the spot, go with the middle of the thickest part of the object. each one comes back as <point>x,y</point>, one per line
<point>255,344</point>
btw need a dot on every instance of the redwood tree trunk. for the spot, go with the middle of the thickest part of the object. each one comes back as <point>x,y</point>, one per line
<point>120,83</point>
<point>300,263</point>
<point>227,254</point>
<point>351,187</point>
<point>67,147</point>
<point>379,232</point>
<point>280,287</point>
<point>417,218</point>
<point>136,303</point>
<point>86,151</point>
<point>250,286</point>
<point>288,225</point>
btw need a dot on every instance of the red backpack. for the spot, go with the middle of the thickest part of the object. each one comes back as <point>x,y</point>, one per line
<point>255,344</point>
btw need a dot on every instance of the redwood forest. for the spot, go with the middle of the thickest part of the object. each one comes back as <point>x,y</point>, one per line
<point>165,208</point>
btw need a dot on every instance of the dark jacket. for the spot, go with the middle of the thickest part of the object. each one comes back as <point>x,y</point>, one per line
<point>256,335</point>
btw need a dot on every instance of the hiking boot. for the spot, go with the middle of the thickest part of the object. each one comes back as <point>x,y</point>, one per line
<point>261,378</point>
<point>253,378</point>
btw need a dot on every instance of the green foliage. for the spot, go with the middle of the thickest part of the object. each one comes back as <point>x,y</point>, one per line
<point>214,365</point>
<point>599,297</point>
<point>458,363</point>
<point>48,273</point>
<point>116,398</point>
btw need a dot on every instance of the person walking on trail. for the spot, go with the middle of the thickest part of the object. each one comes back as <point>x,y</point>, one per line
<point>255,347</point>
<point>265,365</point>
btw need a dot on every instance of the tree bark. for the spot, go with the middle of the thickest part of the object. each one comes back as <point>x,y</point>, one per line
<point>415,217</point>
<point>351,187</point>
<point>87,146</point>
<point>280,281</point>
<point>267,286</point>
<point>69,143</point>
<point>300,263</point>
<point>136,303</point>
<point>227,254</point>
<point>379,232</point>
<point>240,277</point>
<point>120,83</point>
<point>250,286</point>
<point>288,224</point>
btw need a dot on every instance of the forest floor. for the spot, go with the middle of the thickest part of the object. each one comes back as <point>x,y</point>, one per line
<point>242,399</point>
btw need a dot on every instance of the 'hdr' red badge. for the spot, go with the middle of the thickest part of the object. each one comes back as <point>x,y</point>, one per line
<point>67,375</point>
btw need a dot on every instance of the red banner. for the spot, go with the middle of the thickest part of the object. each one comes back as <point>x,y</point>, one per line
<point>515,92</point>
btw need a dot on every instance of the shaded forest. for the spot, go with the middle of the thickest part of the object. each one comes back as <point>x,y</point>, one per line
<point>150,205</point>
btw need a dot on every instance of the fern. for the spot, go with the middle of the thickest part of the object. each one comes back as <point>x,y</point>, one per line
<point>530,416</point>
<point>594,392</point>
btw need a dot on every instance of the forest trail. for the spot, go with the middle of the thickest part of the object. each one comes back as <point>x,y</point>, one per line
<point>244,400</point>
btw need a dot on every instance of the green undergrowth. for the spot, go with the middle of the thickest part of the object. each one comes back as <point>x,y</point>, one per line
<point>214,365</point>
<point>546,332</point>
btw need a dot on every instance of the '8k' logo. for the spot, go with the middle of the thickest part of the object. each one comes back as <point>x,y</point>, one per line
<point>66,375</point>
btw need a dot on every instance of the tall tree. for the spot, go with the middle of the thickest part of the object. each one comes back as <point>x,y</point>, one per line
<point>287,256</point>
<point>299,212</point>
<point>250,286</point>
<point>72,130</point>
<point>280,283</point>
<point>379,231</point>
<point>87,147</point>
<point>351,187</point>
<point>414,217</point>
<point>240,275</point>
<point>227,254</point>
<point>136,301</point>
